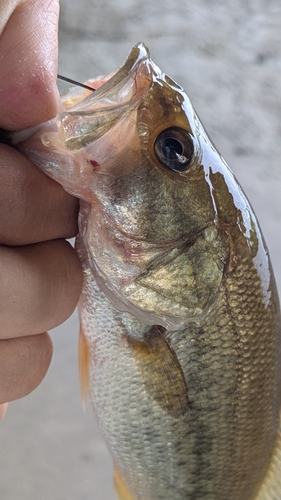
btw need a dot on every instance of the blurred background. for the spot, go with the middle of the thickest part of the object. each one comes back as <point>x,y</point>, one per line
<point>227,56</point>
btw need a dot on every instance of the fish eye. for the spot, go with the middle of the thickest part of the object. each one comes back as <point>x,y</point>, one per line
<point>174,148</point>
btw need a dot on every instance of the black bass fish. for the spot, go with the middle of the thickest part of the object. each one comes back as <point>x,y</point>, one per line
<point>179,313</point>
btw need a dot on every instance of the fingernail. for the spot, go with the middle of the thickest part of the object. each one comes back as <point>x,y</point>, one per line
<point>3,409</point>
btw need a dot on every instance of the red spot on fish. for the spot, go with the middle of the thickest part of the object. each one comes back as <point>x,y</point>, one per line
<point>94,163</point>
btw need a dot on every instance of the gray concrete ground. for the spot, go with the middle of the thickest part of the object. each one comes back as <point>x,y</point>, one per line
<point>227,55</point>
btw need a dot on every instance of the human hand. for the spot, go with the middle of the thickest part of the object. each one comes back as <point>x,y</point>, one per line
<point>40,273</point>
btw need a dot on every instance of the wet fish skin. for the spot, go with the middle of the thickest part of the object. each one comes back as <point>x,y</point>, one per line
<point>179,308</point>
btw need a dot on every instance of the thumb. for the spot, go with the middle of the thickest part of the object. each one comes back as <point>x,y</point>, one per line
<point>28,62</point>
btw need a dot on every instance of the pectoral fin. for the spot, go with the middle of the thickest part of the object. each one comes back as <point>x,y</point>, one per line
<point>120,487</point>
<point>161,372</point>
<point>84,367</point>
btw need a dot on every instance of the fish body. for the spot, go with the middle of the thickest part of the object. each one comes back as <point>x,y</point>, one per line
<point>179,311</point>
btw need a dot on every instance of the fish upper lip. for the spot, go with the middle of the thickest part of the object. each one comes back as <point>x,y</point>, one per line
<point>92,117</point>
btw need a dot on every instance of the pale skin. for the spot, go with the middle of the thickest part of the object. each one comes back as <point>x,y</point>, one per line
<point>40,273</point>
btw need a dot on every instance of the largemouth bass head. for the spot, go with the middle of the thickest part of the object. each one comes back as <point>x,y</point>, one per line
<point>151,226</point>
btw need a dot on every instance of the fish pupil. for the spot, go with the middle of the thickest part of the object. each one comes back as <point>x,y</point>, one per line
<point>172,148</point>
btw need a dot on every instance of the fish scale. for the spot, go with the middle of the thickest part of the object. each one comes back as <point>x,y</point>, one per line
<point>179,311</point>
<point>197,459</point>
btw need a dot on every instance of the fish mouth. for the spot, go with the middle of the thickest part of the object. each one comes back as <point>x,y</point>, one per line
<point>91,118</point>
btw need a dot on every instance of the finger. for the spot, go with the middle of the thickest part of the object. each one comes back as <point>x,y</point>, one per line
<point>40,287</point>
<point>23,364</point>
<point>28,63</point>
<point>33,207</point>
